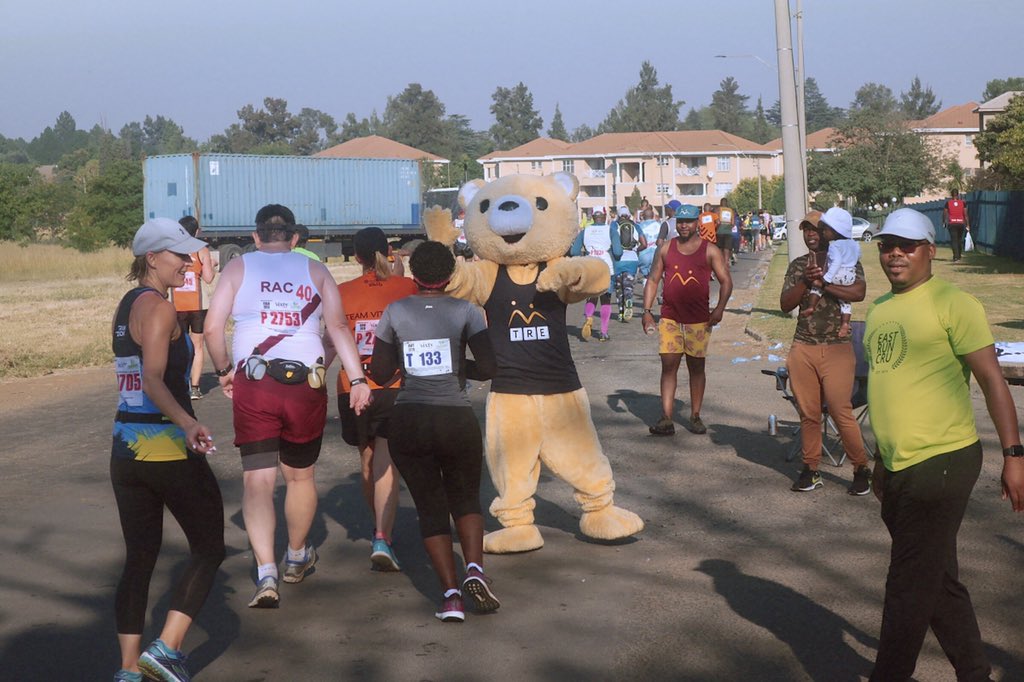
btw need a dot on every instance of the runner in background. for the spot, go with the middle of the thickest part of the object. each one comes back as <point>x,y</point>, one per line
<point>191,300</point>
<point>723,235</point>
<point>707,223</point>
<point>300,246</point>
<point>365,299</point>
<point>435,437</point>
<point>628,262</point>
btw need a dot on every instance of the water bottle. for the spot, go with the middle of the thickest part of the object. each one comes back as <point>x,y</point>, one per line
<point>773,425</point>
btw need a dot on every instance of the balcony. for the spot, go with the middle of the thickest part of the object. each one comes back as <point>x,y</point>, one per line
<point>688,172</point>
<point>592,173</point>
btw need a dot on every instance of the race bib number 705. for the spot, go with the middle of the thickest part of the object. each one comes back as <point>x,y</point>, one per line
<point>129,379</point>
<point>430,357</point>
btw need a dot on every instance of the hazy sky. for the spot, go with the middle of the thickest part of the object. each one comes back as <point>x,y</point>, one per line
<point>198,62</point>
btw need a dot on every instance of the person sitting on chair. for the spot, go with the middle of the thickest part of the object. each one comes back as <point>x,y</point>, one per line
<point>822,361</point>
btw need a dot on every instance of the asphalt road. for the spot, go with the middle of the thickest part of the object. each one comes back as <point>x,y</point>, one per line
<point>734,578</point>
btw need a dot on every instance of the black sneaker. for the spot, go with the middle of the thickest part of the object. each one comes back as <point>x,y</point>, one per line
<point>807,481</point>
<point>861,481</point>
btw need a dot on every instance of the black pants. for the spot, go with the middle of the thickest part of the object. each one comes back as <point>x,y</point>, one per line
<point>438,450</point>
<point>956,239</point>
<point>189,489</point>
<point>922,507</point>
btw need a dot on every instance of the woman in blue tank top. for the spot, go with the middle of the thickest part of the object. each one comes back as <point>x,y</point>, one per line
<point>158,455</point>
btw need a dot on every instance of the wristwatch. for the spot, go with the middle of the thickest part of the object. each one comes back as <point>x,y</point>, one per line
<point>357,381</point>
<point>223,372</point>
<point>648,311</point>
<point>1014,451</point>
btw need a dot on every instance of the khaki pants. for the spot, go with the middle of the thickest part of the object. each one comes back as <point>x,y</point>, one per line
<point>825,371</point>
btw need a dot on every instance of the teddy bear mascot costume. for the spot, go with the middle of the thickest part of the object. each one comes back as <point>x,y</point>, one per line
<point>537,411</point>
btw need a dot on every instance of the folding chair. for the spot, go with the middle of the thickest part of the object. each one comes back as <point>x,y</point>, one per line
<point>859,399</point>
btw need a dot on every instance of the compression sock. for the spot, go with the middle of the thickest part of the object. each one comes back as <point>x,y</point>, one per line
<point>588,309</point>
<point>606,315</point>
<point>263,570</point>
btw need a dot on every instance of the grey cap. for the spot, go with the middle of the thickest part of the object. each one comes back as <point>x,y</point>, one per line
<point>164,234</point>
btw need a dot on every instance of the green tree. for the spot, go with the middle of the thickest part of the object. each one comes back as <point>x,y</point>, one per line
<point>698,119</point>
<point>998,86</point>
<point>743,196</point>
<point>646,107</point>
<point>878,157</point>
<point>111,210</point>
<point>919,102</point>
<point>873,99</point>
<point>582,132</point>
<point>557,130</point>
<point>351,127</point>
<point>14,182</point>
<point>634,200</point>
<point>818,113</point>
<point>1001,145</point>
<point>416,117</point>
<point>56,141</point>
<point>760,131</point>
<point>158,135</point>
<point>729,107</point>
<point>316,132</point>
<point>516,122</point>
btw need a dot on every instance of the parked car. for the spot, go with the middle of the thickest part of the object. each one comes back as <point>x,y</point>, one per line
<point>779,230</point>
<point>862,229</point>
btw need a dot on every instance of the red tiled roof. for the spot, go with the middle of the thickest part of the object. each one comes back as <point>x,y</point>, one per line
<point>819,139</point>
<point>541,146</point>
<point>668,142</point>
<point>957,116</point>
<point>377,147</point>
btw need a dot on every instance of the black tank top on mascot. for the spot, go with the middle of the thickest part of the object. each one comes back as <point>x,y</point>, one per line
<point>527,331</point>
<point>141,431</point>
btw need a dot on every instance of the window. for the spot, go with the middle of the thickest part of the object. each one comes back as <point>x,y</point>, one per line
<point>593,191</point>
<point>172,189</point>
<point>663,188</point>
<point>536,165</point>
<point>692,189</point>
<point>630,171</point>
<point>569,166</point>
<point>664,161</point>
<point>724,163</point>
<point>968,140</point>
<point>723,188</point>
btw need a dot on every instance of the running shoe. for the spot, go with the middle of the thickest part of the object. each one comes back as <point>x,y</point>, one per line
<point>123,675</point>
<point>601,336</point>
<point>452,610</point>
<point>861,481</point>
<point>295,571</point>
<point>807,481</point>
<point>383,557</point>
<point>696,425</point>
<point>478,586</point>
<point>664,427</point>
<point>195,393</point>
<point>266,596</point>
<point>587,329</point>
<point>164,664</point>
<point>629,309</point>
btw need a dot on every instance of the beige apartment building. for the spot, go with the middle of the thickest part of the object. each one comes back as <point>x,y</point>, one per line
<point>693,166</point>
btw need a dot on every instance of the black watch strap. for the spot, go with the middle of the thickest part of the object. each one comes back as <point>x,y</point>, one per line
<point>1014,451</point>
<point>223,372</point>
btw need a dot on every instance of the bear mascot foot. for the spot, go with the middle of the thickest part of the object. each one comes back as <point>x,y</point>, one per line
<point>513,539</point>
<point>610,523</point>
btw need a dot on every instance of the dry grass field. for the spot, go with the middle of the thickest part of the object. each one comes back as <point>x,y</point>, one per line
<point>997,282</point>
<point>56,306</point>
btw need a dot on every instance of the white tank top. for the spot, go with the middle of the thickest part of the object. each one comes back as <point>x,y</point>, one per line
<point>278,299</point>
<point>597,240</point>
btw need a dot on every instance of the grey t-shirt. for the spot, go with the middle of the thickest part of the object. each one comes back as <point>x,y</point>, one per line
<point>430,333</point>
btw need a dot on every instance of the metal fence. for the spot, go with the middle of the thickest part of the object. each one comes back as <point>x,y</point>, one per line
<point>997,222</point>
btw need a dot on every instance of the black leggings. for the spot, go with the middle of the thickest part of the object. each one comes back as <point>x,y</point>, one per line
<point>439,452</point>
<point>189,489</point>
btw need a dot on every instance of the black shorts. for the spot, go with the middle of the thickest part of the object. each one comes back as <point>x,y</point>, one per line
<point>192,321</point>
<point>724,241</point>
<point>360,430</point>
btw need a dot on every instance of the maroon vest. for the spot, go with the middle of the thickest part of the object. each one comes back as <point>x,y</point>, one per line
<point>687,289</point>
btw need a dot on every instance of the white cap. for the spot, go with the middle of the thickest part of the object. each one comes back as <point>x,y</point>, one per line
<point>598,209</point>
<point>840,220</point>
<point>909,224</point>
<point>624,210</point>
<point>164,234</point>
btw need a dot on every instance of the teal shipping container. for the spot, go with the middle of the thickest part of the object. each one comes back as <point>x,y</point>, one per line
<point>333,197</point>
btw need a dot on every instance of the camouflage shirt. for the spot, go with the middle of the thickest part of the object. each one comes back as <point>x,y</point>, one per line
<point>823,325</point>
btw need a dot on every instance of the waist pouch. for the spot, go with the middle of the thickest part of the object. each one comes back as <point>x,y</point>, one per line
<point>287,371</point>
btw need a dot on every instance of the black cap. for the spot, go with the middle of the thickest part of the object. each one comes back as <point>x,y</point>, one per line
<point>368,242</point>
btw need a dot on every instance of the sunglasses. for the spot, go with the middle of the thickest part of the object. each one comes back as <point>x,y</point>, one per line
<point>907,246</point>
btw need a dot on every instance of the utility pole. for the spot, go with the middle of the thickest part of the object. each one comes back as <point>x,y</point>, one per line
<point>801,77</point>
<point>796,192</point>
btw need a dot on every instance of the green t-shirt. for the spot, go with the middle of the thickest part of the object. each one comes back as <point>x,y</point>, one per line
<point>919,393</point>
